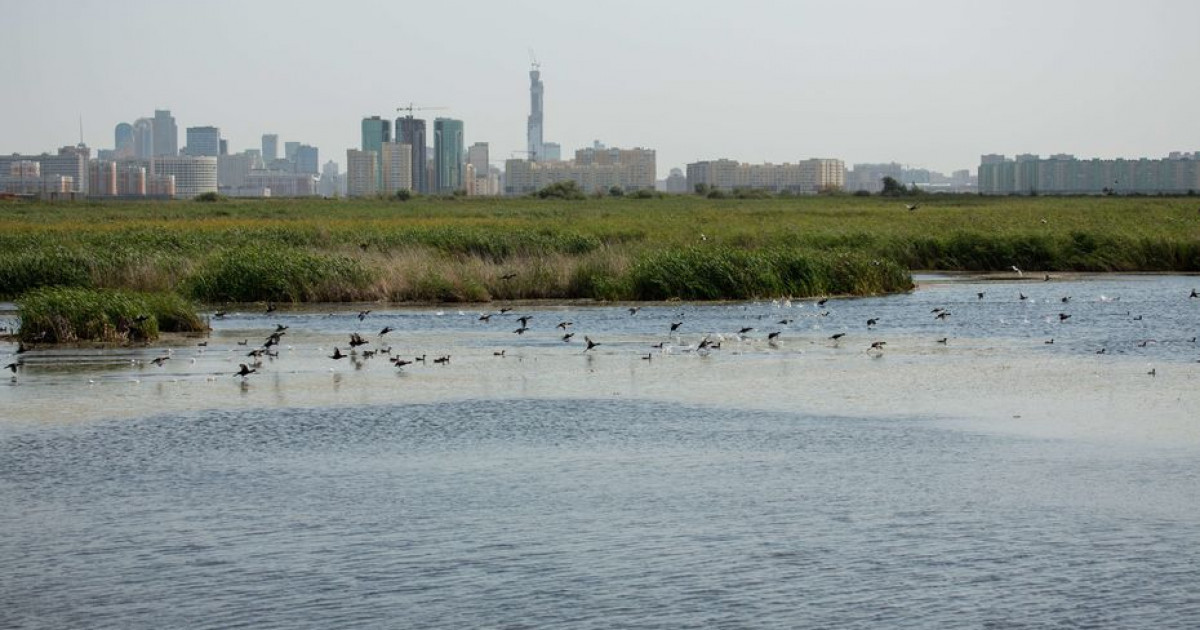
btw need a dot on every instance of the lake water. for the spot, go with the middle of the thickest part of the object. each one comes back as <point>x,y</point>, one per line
<point>991,481</point>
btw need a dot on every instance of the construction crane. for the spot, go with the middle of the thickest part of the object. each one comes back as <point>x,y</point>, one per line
<point>410,108</point>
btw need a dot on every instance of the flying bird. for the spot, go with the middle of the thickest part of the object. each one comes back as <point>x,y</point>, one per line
<point>590,344</point>
<point>567,337</point>
<point>159,361</point>
<point>911,206</point>
<point>871,322</point>
<point>878,345</point>
<point>1018,270</point>
<point>508,276</point>
<point>244,370</point>
<point>837,336</point>
<point>386,330</point>
<point>363,315</point>
<point>337,354</point>
<point>675,326</point>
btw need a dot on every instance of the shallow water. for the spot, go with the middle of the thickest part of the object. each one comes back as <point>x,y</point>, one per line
<point>991,481</point>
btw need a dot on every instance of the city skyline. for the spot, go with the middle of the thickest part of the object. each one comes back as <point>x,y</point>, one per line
<point>933,85</point>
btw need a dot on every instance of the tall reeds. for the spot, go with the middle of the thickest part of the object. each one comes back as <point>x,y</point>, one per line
<point>71,314</point>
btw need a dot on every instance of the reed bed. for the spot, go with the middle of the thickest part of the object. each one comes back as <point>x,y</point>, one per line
<point>69,314</point>
<point>684,246</point>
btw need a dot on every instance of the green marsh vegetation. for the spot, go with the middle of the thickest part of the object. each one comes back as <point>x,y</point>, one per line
<point>615,248</point>
<point>71,314</point>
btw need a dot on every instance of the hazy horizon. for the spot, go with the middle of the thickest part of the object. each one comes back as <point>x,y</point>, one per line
<point>930,84</point>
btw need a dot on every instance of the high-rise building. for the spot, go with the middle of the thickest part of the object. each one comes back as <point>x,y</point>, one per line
<point>161,186</point>
<point>362,168</point>
<point>102,178</point>
<point>551,151</point>
<point>194,175</point>
<point>375,132</point>
<point>123,137</point>
<point>330,184</point>
<point>411,131</point>
<point>307,160</point>
<point>480,180</point>
<point>289,150</point>
<point>477,156</point>
<point>397,167</point>
<point>64,172</point>
<point>166,133</point>
<point>534,124</point>
<point>143,138</point>
<point>676,182</point>
<point>203,141</point>
<point>22,177</point>
<point>131,180</point>
<point>448,154</point>
<point>232,170</point>
<point>270,147</point>
<point>223,147</point>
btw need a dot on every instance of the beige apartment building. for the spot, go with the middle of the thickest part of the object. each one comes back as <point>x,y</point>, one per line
<point>804,178</point>
<point>593,169</point>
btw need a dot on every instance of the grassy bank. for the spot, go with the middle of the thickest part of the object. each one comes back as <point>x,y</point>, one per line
<point>67,315</point>
<point>485,249</point>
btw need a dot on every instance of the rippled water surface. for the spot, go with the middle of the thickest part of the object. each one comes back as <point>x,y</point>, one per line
<point>992,481</point>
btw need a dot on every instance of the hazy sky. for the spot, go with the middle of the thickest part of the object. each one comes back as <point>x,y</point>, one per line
<point>928,83</point>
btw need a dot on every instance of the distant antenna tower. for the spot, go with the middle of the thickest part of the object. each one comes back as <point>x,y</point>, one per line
<point>533,60</point>
<point>81,130</point>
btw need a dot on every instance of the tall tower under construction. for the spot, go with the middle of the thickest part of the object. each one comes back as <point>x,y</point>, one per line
<point>535,145</point>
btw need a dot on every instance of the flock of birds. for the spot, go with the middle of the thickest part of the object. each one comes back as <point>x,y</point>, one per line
<point>358,352</point>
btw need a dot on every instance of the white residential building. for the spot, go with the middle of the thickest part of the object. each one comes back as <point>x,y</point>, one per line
<point>194,175</point>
